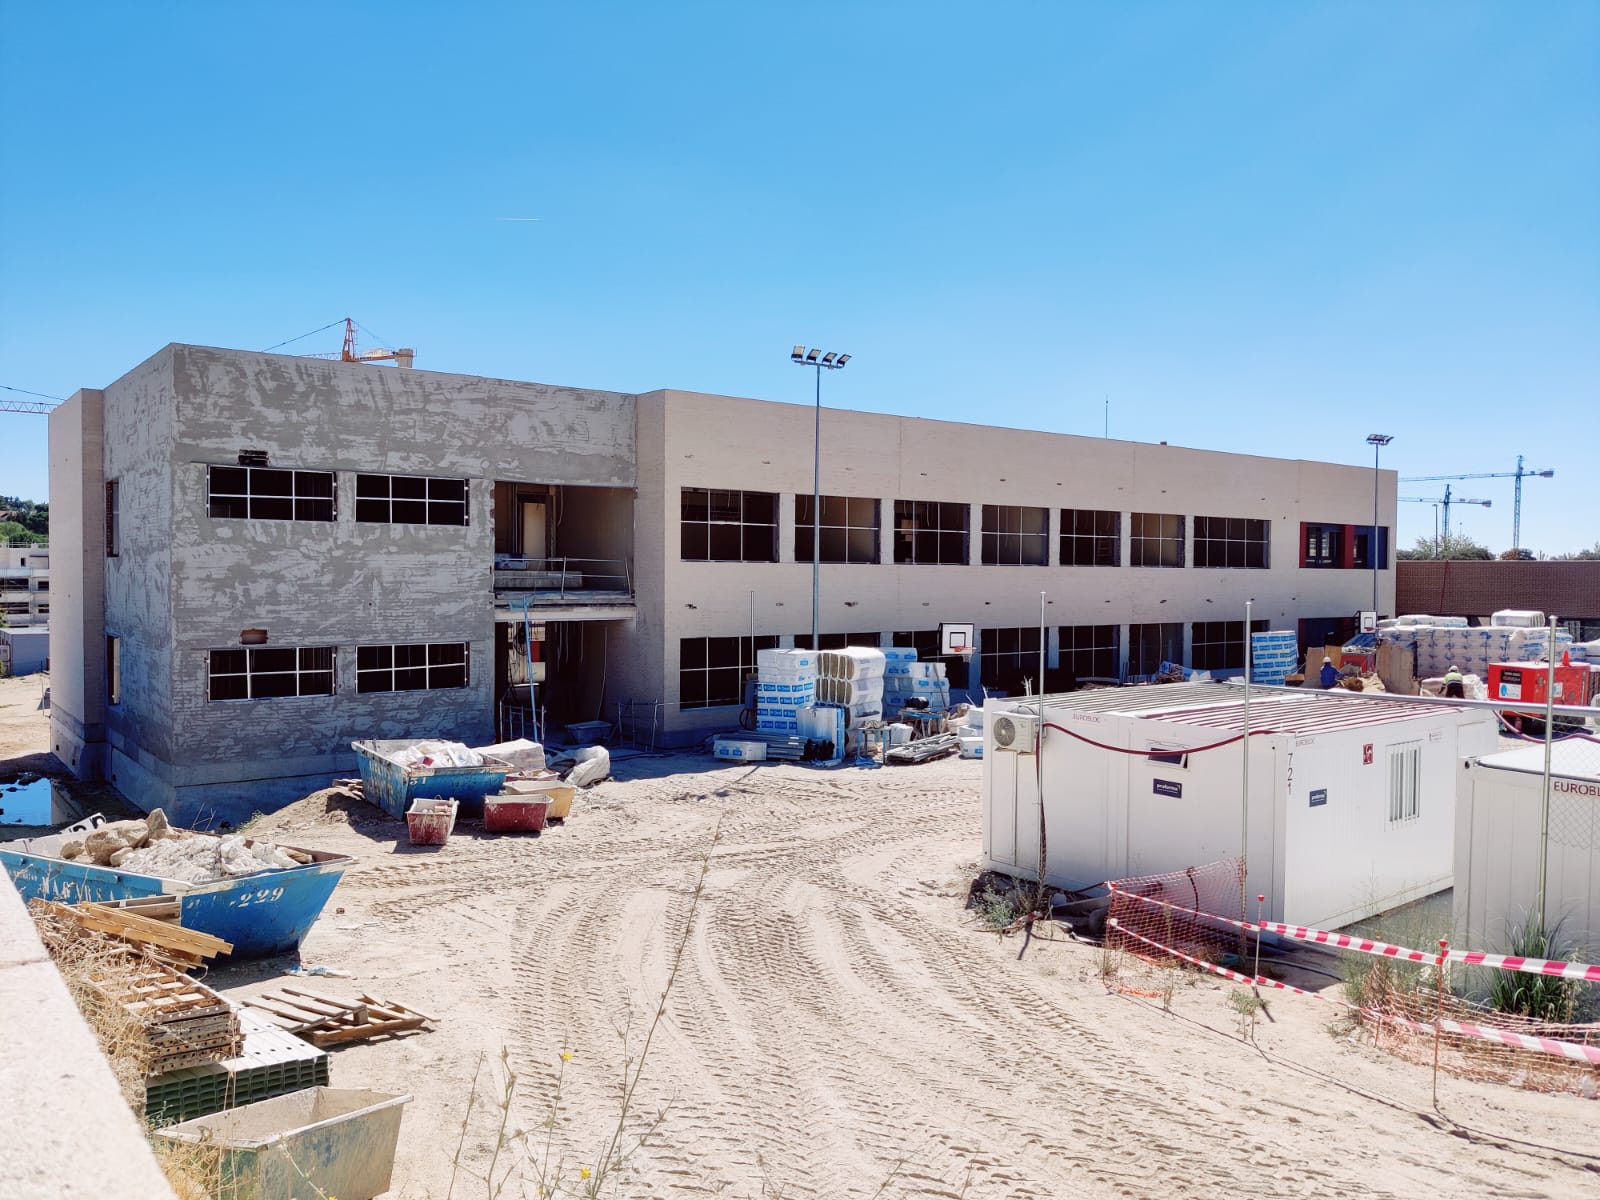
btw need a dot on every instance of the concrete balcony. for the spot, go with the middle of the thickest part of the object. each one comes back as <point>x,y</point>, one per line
<point>575,589</point>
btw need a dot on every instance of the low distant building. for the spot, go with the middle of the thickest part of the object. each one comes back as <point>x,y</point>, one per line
<point>1471,588</point>
<point>25,607</point>
<point>24,651</point>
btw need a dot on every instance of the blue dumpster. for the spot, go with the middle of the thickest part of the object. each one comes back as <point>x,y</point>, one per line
<point>392,786</point>
<point>262,914</point>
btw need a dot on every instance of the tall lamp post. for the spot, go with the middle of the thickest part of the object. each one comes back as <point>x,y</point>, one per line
<point>802,357</point>
<point>1377,441</point>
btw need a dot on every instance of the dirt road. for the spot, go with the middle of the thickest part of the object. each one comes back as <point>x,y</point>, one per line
<point>837,1025</point>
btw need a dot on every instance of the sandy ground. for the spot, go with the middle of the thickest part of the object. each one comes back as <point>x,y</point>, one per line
<point>837,1024</point>
<point>25,726</point>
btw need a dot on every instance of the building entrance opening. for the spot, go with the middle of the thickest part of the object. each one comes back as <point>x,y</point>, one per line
<point>565,663</point>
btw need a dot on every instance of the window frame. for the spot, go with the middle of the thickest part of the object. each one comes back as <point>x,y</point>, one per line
<point>366,505</point>
<point>1143,546</point>
<point>113,670</point>
<point>1073,539</point>
<point>250,498</point>
<point>745,653</point>
<point>1068,650</point>
<point>1021,656</point>
<point>1229,543</point>
<point>1135,646</point>
<point>1004,546</point>
<point>747,498</point>
<point>1219,646</point>
<point>372,673</point>
<point>854,506</point>
<point>912,529</point>
<point>113,518</point>
<point>1405,782</point>
<point>251,672</point>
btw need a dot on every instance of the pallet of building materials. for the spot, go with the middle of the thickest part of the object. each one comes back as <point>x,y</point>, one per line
<point>169,942</point>
<point>271,1063</point>
<point>184,1023</point>
<point>327,1020</point>
<point>157,908</point>
<point>924,750</point>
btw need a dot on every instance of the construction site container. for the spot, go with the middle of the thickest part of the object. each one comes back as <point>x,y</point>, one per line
<point>392,785</point>
<point>339,1141</point>
<point>263,914</point>
<point>1351,796</point>
<point>1499,816</point>
<point>430,822</point>
<point>514,813</point>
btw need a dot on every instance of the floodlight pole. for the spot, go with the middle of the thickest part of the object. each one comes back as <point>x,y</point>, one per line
<point>1244,791</point>
<point>1377,441</point>
<point>800,356</point>
<point>1549,746</point>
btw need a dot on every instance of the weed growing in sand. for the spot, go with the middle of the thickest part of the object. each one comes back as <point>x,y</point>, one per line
<point>1248,1005</point>
<point>994,911</point>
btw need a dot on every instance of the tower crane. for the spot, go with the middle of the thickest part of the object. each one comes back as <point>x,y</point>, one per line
<point>1446,500</point>
<point>1516,512</point>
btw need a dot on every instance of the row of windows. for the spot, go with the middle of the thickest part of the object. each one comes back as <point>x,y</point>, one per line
<point>282,494</point>
<point>711,670</point>
<point>267,672</point>
<point>737,526</point>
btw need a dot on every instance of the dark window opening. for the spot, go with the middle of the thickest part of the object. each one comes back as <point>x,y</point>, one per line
<point>1091,651</point>
<point>1153,644</point>
<point>728,526</point>
<point>931,531</point>
<point>1236,542</point>
<point>270,672</point>
<point>1156,540</point>
<point>711,670</point>
<point>848,529</point>
<point>1014,535</point>
<point>270,494</point>
<point>411,500</point>
<point>1091,538</point>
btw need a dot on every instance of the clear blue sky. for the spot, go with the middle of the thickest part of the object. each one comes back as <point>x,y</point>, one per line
<point>1271,227</point>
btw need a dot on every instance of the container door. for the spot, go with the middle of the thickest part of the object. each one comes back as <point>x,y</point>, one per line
<point>1002,831</point>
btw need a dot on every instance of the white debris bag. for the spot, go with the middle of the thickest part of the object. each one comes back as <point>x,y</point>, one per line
<point>593,765</point>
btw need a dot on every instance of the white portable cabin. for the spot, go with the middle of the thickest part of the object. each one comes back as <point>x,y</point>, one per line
<point>1352,797</point>
<point>1499,812</point>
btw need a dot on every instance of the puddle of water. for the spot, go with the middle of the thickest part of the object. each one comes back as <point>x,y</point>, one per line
<point>25,803</point>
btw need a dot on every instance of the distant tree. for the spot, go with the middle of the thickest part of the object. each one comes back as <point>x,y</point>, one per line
<point>13,531</point>
<point>1589,555</point>
<point>1455,546</point>
<point>33,518</point>
<point>1523,555</point>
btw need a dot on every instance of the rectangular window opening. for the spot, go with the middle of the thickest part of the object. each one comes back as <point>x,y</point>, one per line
<point>931,531</point>
<point>411,500</point>
<point>412,667</point>
<point>1091,538</point>
<point>271,494</point>
<point>728,526</point>
<point>1155,540</point>
<point>1405,782</point>
<point>1014,535</point>
<point>1231,542</point>
<point>270,672</point>
<point>712,670</point>
<point>847,528</point>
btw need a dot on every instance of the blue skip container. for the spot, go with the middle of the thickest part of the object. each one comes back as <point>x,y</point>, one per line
<point>263,914</point>
<point>392,786</point>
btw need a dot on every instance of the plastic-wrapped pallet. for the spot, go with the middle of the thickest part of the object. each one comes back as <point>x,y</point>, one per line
<point>1273,655</point>
<point>897,660</point>
<point>1517,618</point>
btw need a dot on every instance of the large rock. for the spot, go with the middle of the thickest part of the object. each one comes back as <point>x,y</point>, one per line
<point>158,824</point>
<point>102,843</point>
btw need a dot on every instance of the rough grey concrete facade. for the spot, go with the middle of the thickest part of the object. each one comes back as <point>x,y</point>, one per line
<point>186,583</point>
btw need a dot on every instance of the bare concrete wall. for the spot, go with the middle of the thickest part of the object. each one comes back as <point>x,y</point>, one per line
<point>77,600</point>
<point>340,583</point>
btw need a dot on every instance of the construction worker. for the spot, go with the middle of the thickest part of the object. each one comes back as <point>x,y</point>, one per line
<point>1454,685</point>
<point>1330,673</point>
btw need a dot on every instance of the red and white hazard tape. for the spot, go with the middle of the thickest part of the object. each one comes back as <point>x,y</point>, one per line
<point>1505,962</point>
<point>1486,1033</point>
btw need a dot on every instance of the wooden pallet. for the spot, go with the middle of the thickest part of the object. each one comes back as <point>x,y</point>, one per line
<point>155,994</point>
<point>330,1020</point>
<point>170,942</point>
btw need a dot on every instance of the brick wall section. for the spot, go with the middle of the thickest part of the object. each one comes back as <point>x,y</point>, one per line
<point>1571,590</point>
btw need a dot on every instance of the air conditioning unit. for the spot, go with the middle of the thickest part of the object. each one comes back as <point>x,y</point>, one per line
<point>1016,732</point>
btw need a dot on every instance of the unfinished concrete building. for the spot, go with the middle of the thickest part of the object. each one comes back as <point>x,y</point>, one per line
<point>260,558</point>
